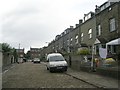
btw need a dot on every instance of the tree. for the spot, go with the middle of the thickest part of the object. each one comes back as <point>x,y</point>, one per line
<point>28,55</point>
<point>15,54</point>
<point>6,48</point>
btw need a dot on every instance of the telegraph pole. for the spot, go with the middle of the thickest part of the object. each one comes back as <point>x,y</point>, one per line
<point>19,46</point>
<point>19,51</point>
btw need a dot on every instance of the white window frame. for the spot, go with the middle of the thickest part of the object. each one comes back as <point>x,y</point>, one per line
<point>112,25</point>
<point>99,30</point>
<point>82,36</point>
<point>76,39</point>
<point>71,41</point>
<point>90,33</point>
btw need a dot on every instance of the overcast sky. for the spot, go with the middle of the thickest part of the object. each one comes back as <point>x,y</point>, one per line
<point>32,23</point>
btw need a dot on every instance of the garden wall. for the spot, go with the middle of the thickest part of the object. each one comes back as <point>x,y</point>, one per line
<point>78,63</point>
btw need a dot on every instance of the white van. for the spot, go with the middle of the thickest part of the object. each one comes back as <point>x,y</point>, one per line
<point>56,61</point>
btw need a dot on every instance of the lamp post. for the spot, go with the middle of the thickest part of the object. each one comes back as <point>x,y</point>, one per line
<point>92,61</point>
<point>19,50</point>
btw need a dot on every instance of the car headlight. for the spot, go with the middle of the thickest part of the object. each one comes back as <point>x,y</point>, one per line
<point>53,65</point>
<point>64,64</point>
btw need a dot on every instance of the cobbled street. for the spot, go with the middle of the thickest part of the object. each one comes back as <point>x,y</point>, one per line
<point>30,75</point>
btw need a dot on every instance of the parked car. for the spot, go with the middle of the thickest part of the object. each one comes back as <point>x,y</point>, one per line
<point>29,60</point>
<point>55,61</point>
<point>36,60</point>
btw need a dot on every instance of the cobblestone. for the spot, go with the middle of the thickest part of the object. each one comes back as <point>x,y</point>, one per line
<point>30,75</point>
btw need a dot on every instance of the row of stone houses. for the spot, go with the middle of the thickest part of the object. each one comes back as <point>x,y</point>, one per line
<point>95,30</point>
<point>34,53</point>
<point>20,53</point>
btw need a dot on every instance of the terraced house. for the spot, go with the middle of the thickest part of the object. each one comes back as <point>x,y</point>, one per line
<point>20,53</point>
<point>108,26</point>
<point>97,29</point>
<point>88,30</point>
<point>34,53</point>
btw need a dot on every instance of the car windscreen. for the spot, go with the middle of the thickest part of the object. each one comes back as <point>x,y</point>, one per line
<point>56,58</point>
<point>36,59</point>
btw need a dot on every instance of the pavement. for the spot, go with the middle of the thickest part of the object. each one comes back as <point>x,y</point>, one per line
<point>3,69</point>
<point>95,79</point>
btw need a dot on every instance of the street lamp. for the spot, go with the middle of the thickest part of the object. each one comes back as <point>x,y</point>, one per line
<point>92,61</point>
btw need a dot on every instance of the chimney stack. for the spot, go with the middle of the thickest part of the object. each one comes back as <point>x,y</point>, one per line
<point>71,27</point>
<point>76,25</point>
<point>97,9</point>
<point>80,21</point>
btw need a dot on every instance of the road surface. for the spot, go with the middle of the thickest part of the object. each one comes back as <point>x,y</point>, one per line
<point>30,75</point>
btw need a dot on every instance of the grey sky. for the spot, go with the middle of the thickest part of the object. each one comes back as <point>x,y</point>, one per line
<point>34,22</point>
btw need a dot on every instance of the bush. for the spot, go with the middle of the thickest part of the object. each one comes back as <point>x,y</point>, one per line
<point>84,51</point>
<point>110,61</point>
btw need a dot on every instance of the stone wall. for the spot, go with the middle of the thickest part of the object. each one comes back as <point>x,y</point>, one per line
<point>76,61</point>
<point>7,60</point>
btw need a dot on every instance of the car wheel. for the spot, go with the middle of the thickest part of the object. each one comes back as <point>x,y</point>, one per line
<point>50,70</point>
<point>47,68</point>
<point>65,70</point>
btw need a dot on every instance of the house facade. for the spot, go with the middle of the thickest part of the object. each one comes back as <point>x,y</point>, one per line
<point>20,53</point>
<point>88,31</point>
<point>108,26</point>
<point>35,53</point>
<point>96,30</point>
